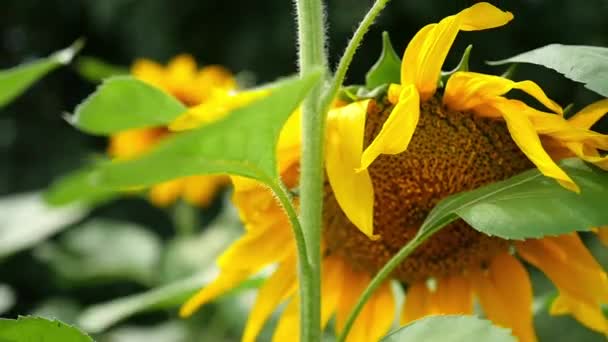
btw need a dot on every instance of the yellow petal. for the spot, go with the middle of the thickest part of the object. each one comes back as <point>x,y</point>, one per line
<point>332,283</point>
<point>276,288</point>
<point>214,109</point>
<point>582,283</point>
<point>181,69</point>
<point>288,327</point>
<point>223,283</point>
<point>453,295</point>
<point>467,90</point>
<point>353,190</point>
<point>166,193</point>
<point>377,315</point>
<point>397,130</point>
<point>424,56</point>
<point>201,190</point>
<point>602,233</point>
<point>418,302</point>
<point>132,143</point>
<point>150,72</point>
<point>505,293</point>
<point>589,115</point>
<point>523,133</point>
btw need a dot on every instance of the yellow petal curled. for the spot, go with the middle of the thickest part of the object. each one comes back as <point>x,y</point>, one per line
<point>424,56</point>
<point>397,130</point>
<point>353,190</point>
<point>467,90</point>
<point>589,115</point>
<point>523,133</point>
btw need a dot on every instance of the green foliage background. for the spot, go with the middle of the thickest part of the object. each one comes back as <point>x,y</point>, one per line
<point>37,145</point>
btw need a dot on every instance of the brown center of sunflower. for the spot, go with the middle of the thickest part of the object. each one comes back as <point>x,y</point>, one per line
<point>450,152</point>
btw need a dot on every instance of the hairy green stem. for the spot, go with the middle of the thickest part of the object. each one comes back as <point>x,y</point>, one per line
<point>350,51</point>
<point>381,276</point>
<point>311,55</point>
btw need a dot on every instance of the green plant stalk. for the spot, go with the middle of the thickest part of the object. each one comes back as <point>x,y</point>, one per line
<point>311,55</point>
<point>379,278</point>
<point>185,218</point>
<point>349,53</point>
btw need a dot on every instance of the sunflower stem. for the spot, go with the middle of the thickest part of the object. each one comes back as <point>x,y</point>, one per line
<point>311,55</point>
<point>381,276</point>
<point>350,51</point>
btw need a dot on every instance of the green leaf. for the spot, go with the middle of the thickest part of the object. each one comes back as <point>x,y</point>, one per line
<point>463,65</point>
<point>81,256</point>
<point>450,328</point>
<point>78,186</point>
<point>585,64</point>
<point>27,220</point>
<point>15,80</point>
<point>95,70</point>
<point>388,67</point>
<point>124,102</point>
<point>529,205</point>
<point>35,329</point>
<point>243,143</point>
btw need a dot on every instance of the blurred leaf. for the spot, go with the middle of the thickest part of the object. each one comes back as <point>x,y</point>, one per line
<point>7,298</point>
<point>388,67</point>
<point>63,309</point>
<point>187,255</point>
<point>243,143</point>
<point>15,80</point>
<point>450,328</point>
<point>123,102</point>
<point>172,331</point>
<point>95,69</point>
<point>27,220</point>
<point>36,329</point>
<point>78,186</point>
<point>104,250</point>
<point>585,64</point>
<point>99,317</point>
<point>529,205</point>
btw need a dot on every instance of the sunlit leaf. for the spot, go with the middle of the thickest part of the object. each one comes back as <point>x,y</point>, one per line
<point>27,220</point>
<point>243,143</point>
<point>585,64</point>
<point>95,69</point>
<point>36,329</point>
<point>15,80</point>
<point>450,328</point>
<point>529,205</point>
<point>103,250</point>
<point>388,67</point>
<point>78,186</point>
<point>124,102</point>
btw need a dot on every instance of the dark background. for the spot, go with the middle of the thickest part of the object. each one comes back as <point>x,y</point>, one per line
<point>37,145</point>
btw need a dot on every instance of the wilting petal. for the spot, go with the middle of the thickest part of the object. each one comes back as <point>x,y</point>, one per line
<point>523,133</point>
<point>582,283</point>
<point>424,56</point>
<point>467,90</point>
<point>376,317</point>
<point>397,130</point>
<point>505,293</point>
<point>353,190</point>
<point>277,288</point>
<point>590,114</point>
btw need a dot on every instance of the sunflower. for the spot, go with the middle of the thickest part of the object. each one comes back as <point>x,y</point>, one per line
<point>388,162</point>
<point>192,87</point>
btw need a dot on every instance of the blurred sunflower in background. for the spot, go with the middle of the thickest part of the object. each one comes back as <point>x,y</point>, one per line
<point>389,161</point>
<point>192,86</point>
